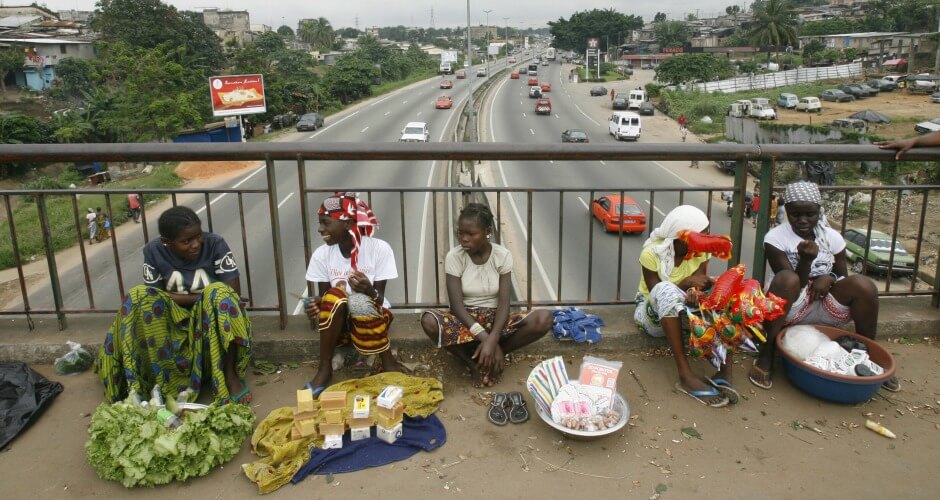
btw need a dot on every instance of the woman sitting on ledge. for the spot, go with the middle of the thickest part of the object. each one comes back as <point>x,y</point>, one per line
<point>185,325</point>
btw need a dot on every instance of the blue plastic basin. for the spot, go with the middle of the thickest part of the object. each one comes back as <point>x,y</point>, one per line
<point>832,386</point>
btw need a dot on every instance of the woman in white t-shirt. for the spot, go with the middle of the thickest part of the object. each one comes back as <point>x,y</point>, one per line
<point>808,269</point>
<point>479,328</point>
<point>350,272</point>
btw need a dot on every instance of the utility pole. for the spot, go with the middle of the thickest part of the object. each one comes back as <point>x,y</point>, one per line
<point>506,24</point>
<point>936,62</point>
<point>487,51</point>
<point>471,123</point>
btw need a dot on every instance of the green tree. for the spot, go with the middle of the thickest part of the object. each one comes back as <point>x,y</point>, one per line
<point>268,43</point>
<point>774,24</point>
<point>17,128</point>
<point>149,23</point>
<point>10,60</point>
<point>659,17</point>
<point>286,32</point>
<point>350,78</point>
<point>671,33</point>
<point>348,33</point>
<point>691,67</point>
<point>733,10</point>
<point>73,77</point>
<point>831,26</point>
<point>318,33</point>
<point>605,25</point>
<point>812,51</point>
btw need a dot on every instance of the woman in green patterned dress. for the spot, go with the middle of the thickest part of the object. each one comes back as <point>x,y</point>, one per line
<point>185,326</point>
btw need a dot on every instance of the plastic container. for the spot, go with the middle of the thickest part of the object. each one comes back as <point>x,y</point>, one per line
<point>832,386</point>
<point>620,405</point>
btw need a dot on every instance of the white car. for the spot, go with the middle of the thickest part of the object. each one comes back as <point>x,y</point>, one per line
<point>415,132</point>
<point>928,126</point>
<point>809,104</point>
<point>762,112</point>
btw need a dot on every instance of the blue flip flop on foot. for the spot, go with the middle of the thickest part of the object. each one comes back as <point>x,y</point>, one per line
<point>699,394</point>
<point>242,393</point>
<point>726,388</point>
<point>315,390</point>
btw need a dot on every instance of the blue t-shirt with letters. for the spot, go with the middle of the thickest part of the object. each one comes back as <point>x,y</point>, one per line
<point>164,269</point>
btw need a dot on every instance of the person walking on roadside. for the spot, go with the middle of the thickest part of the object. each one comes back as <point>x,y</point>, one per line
<point>134,206</point>
<point>102,232</point>
<point>755,206</point>
<point>613,94</point>
<point>92,219</point>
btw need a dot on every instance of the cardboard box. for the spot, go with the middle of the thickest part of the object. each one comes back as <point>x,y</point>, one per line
<point>361,403</point>
<point>389,396</point>
<point>332,429</point>
<point>393,413</point>
<point>389,435</point>
<point>304,400</point>
<point>387,422</point>
<point>333,416</point>
<point>357,433</point>
<point>360,422</point>
<point>332,442</point>
<point>333,400</point>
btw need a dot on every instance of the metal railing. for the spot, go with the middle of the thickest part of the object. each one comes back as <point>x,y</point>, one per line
<point>307,154</point>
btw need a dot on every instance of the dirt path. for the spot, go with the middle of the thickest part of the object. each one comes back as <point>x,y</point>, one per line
<point>903,108</point>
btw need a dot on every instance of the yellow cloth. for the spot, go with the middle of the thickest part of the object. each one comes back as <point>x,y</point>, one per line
<point>686,268</point>
<point>280,457</point>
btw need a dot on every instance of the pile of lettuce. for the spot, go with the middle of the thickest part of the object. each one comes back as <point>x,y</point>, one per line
<point>128,444</point>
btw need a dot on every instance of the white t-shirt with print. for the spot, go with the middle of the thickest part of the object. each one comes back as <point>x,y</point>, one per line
<point>480,283</point>
<point>376,261</point>
<point>830,243</point>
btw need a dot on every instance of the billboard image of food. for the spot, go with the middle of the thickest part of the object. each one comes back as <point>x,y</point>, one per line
<point>237,95</point>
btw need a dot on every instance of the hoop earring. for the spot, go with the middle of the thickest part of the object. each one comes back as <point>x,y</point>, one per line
<point>489,236</point>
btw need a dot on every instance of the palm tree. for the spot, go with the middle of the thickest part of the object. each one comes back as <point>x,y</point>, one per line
<point>318,33</point>
<point>774,24</point>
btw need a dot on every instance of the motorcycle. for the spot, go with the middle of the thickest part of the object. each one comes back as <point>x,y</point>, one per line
<point>728,197</point>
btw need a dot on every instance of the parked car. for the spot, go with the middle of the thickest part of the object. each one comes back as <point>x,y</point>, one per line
<point>310,121</point>
<point>883,84</point>
<point>762,112</point>
<point>928,126</point>
<point>809,104</point>
<point>545,86</point>
<point>513,76</point>
<point>543,106</point>
<point>855,90</point>
<point>849,124</point>
<point>647,109</point>
<point>872,91</point>
<point>607,210</point>
<point>443,102</point>
<point>481,72</point>
<point>787,100</point>
<point>574,135</point>
<point>598,90</point>
<point>879,253</point>
<point>447,84</point>
<point>836,95</point>
<point>619,102</point>
<point>535,92</point>
<point>763,101</point>
<point>460,75</point>
<point>935,97</point>
<point>415,132</point>
<point>646,66</point>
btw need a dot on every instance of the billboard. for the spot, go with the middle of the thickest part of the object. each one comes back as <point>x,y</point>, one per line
<point>493,49</point>
<point>448,56</point>
<point>237,95</point>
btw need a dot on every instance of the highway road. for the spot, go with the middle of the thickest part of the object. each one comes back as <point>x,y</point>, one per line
<point>508,117</point>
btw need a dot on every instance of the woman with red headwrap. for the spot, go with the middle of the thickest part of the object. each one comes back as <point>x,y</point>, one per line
<point>350,271</point>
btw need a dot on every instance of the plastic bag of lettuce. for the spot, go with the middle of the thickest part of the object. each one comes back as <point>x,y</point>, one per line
<point>127,443</point>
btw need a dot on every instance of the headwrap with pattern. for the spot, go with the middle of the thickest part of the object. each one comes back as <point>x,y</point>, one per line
<point>348,206</point>
<point>802,191</point>
<point>681,218</point>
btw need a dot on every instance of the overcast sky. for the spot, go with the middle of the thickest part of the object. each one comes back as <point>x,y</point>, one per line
<point>446,13</point>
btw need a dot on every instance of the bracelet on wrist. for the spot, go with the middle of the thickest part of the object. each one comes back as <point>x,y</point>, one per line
<point>477,329</point>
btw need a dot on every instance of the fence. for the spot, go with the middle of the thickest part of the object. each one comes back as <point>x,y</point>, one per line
<point>590,268</point>
<point>778,78</point>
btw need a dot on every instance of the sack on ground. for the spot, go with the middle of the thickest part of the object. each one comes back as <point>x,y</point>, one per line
<point>574,324</point>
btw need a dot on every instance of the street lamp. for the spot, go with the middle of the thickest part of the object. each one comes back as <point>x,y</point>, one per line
<point>506,24</point>
<point>487,50</point>
<point>471,123</point>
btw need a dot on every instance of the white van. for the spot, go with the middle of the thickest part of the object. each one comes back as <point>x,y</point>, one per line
<point>625,125</point>
<point>636,98</point>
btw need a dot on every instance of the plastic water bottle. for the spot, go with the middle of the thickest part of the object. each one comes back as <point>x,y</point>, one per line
<point>156,397</point>
<point>168,419</point>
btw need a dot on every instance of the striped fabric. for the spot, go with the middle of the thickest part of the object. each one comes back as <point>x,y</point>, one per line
<point>364,323</point>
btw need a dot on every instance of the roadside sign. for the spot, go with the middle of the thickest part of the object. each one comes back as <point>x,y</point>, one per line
<point>593,43</point>
<point>591,52</point>
<point>237,95</point>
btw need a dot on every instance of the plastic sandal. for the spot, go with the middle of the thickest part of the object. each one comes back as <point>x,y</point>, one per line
<point>517,411</point>
<point>497,412</point>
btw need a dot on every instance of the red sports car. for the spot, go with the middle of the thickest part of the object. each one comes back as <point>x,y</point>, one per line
<point>546,87</point>
<point>533,82</point>
<point>443,102</point>
<point>447,84</point>
<point>514,76</point>
<point>606,209</point>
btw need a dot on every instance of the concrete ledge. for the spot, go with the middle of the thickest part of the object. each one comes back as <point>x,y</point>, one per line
<point>902,316</point>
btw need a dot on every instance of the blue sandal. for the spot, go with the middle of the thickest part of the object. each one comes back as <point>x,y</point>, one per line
<point>725,388</point>
<point>698,394</point>
<point>237,398</point>
<point>315,390</point>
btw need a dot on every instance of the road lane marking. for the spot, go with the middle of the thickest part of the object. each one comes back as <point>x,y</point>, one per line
<point>660,212</point>
<point>602,162</point>
<point>419,113</point>
<point>387,113</point>
<point>556,115</point>
<point>239,183</point>
<point>405,101</point>
<point>586,207</point>
<point>687,183</point>
<point>281,204</point>
<point>363,130</point>
<point>532,131</point>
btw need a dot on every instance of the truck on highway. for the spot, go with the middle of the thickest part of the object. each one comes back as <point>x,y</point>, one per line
<point>550,53</point>
<point>448,62</point>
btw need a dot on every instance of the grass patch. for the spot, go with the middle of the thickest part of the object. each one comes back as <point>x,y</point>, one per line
<point>61,215</point>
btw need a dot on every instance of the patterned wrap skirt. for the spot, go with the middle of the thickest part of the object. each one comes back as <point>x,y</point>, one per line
<point>452,332</point>
<point>154,340</point>
<point>364,323</point>
<point>666,300</point>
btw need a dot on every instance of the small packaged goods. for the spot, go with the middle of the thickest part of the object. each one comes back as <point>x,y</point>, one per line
<point>598,378</point>
<point>583,405</point>
<point>389,396</point>
<point>361,404</point>
<point>389,435</point>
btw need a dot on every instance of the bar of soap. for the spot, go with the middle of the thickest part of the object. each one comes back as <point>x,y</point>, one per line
<point>304,400</point>
<point>389,396</point>
<point>333,416</point>
<point>393,413</point>
<point>389,435</point>
<point>332,429</point>
<point>360,422</point>
<point>358,433</point>
<point>332,442</point>
<point>386,421</point>
<point>333,400</point>
<point>307,427</point>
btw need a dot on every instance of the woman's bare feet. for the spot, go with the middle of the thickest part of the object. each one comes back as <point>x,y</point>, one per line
<point>238,389</point>
<point>692,383</point>
<point>476,377</point>
<point>323,376</point>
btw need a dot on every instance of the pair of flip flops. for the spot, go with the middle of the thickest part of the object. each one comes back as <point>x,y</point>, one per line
<point>505,408</point>
<point>720,388</point>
